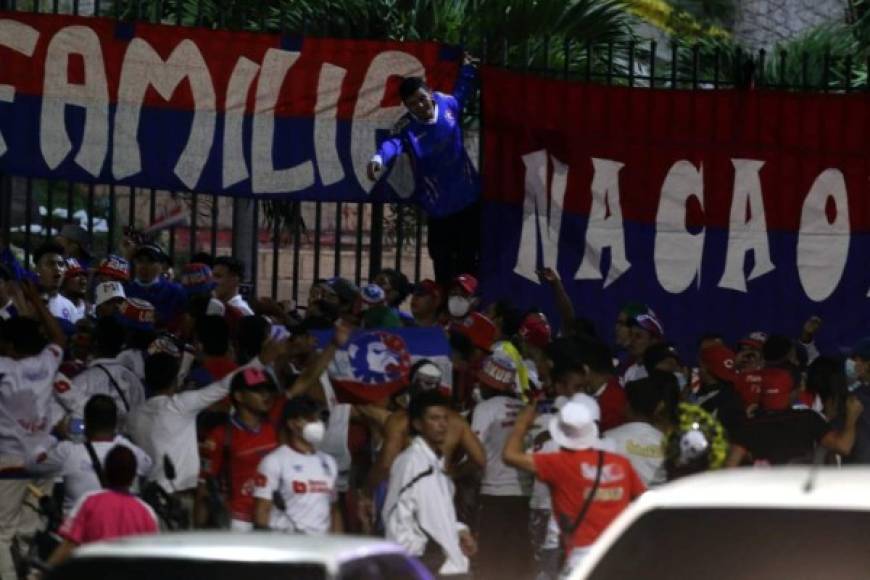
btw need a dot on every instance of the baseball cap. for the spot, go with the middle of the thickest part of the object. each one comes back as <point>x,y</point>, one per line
<point>719,360</point>
<point>197,278</point>
<point>165,344</point>
<point>106,291</point>
<point>346,290</point>
<point>650,322</point>
<point>536,330</point>
<point>373,294</point>
<point>862,349</point>
<point>574,427</point>
<point>114,267</point>
<point>426,288</point>
<point>754,340</point>
<point>253,379</point>
<point>467,283</point>
<point>498,372</point>
<point>479,329</point>
<point>73,268</point>
<point>776,388</point>
<point>137,314</point>
<point>152,251</point>
<point>657,353</point>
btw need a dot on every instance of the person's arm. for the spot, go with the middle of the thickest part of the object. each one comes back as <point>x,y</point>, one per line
<point>212,462</point>
<point>310,377</point>
<point>61,553</point>
<point>49,323</point>
<point>267,480</point>
<point>736,455</point>
<point>52,462</point>
<point>513,454</point>
<point>808,336</point>
<point>337,523</point>
<point>466,81</point>
<point>395,430</point>
<point>842,441</point>
<point>564,306</point>
<point>262,509</point>
<point>472,445</point>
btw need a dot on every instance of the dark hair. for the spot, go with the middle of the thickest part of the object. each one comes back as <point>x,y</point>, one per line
<point>120,467</point>
<point>399,283</point>
<point>214,334</point>
<point>657,353</point>
<point>826,377</point>
<point>644,395</point>
<point>582,327</point>
<point>101,414</point>
<point>234,265</point>
<point>5,274</point>
<point>419,403</point>
<point>109,335</point>
<point>564,368</point>
<point>251,335</point>
<point>240,382</point>
<point>202,258</point>
<point>776,348</point>
<point>416,367</point>
<point>302,406</point>
<point>161,369</point>
<point>596,355</point>
<point>709,336</point>
<point>562,351</point>
<point>25,334</point>
<point>511,317</point>
<point>47,248</point>
<point>409,86</point>
<point>140,339</point>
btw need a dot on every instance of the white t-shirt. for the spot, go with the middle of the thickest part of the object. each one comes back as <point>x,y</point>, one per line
<point>634,373</point>
<point>133,359</point>
<point>307,485</point>
<point>492,422</point>
<point>72,462</point>
<point>239,304</point>
<point>642,444</point>
<point>95,380</point>
<point>61,307</point>
<point>26,412</point>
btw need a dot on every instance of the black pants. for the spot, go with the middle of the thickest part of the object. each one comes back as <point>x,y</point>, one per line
<point>454,243</point>
<point>504,548</point>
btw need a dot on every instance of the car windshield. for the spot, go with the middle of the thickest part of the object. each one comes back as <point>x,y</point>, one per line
<point>730,544</point>
<point>181,569</point>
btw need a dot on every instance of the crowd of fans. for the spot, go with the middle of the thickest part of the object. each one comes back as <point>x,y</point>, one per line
<point>124,376</point>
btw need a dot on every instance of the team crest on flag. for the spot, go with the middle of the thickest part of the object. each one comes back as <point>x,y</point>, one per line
<point>379,357</point>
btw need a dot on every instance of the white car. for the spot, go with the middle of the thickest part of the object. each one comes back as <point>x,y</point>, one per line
<point>760,524</point>
<point>240,556</point>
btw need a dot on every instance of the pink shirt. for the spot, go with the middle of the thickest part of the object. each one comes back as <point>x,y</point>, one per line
<point>107,514</point>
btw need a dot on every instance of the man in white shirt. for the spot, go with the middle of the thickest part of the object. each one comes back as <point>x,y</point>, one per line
<point>505,546</point>
<point>228,273</point>
<point>75,288</point>
<point>641,438</point>
<point>27,372</point>
<point>419,513</point>
<point>76,464</point>
<point>165,425</point>
<point>107,375</point>
<point>50,267</point>
<point>296,484</point>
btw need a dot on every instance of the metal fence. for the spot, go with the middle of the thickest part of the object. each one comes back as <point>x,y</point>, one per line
<point>298,242</point>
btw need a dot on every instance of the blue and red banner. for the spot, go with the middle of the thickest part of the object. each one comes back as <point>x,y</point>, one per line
<point>168,107</point>
<point>375,364</point>
<point>724,211</point>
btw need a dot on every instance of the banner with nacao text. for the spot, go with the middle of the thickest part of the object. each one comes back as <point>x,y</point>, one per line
<point>101,101</point>
<point>724,211</point>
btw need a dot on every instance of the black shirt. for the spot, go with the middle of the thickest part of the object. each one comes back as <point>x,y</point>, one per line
<point>723,402</point>
<point>783,437</point>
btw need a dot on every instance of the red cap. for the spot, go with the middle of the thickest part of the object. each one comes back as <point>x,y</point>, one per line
<point>754,340</point>
<point>73,268</point>
<point>427,288</point>
<point>498,372</point>
<point>467,282</point>
<point>719,360</point>
<point>776,388</point>
<point>536,330</point>
<point>480,329</point>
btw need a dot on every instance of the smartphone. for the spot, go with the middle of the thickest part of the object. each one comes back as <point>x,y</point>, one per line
<point>76,427</point>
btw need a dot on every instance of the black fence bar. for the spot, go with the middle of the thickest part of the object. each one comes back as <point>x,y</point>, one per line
<point>337,243</point>
<point>418,253</point>
<point>297,237</point>
<point>215,212</point>
<point>110,221</point>
<point>360,210</point>
<point>318,217</point>
<point>192,228</point>
<point>400,235</point>
<point>28,221</point>
<point>376,240</point>
<point>5,208</point>
<point>276,250</point>
<point>255,249</point>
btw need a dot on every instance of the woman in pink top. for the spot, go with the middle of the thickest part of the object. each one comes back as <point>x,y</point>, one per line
<point>109,513</point>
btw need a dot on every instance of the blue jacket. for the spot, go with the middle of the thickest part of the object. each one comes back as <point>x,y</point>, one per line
<point>168,298</point>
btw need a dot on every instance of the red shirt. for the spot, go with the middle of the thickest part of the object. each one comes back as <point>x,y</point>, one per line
<point>247,449</point>
<point>570,476</point>
<point>107,514</point>
<point>612,401</point>
<point>219,367</point>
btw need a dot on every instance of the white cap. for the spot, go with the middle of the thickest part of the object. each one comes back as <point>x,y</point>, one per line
<point>106,291</point>
<point>215,308</point>
<point>574,427</point>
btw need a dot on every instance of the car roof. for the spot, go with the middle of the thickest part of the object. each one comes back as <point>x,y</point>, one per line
<point>242,547</point>
<point>781,487</point>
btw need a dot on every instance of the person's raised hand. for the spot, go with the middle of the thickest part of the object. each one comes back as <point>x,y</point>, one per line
<point>468,59</point>
<point>854,408</point>
<point>549,275</point>
<point>467,543</point>
<point>811,327</point>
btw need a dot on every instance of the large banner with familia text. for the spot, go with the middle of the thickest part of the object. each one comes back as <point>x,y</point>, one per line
<point>724,211</point>
<point>176,108</point>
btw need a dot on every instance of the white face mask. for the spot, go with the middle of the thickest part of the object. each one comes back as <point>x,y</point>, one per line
<point>314,432</point>
<point>458,306</point>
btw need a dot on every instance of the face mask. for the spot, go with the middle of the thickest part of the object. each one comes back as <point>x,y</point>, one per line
<point>314,432</point>
<point>851,371</point>
<point>682,381</point>
<point>458,306</point>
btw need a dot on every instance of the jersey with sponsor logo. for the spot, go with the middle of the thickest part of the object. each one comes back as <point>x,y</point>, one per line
<point>26,410</point>
<point>571,475</point>
<point>247,448</point>
<point>306,484</point>
<point>643,445</point>
<point>493,422</point>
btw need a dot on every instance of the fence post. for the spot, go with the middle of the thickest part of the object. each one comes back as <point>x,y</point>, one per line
<point>245,235</point>
<point>376,240</point>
